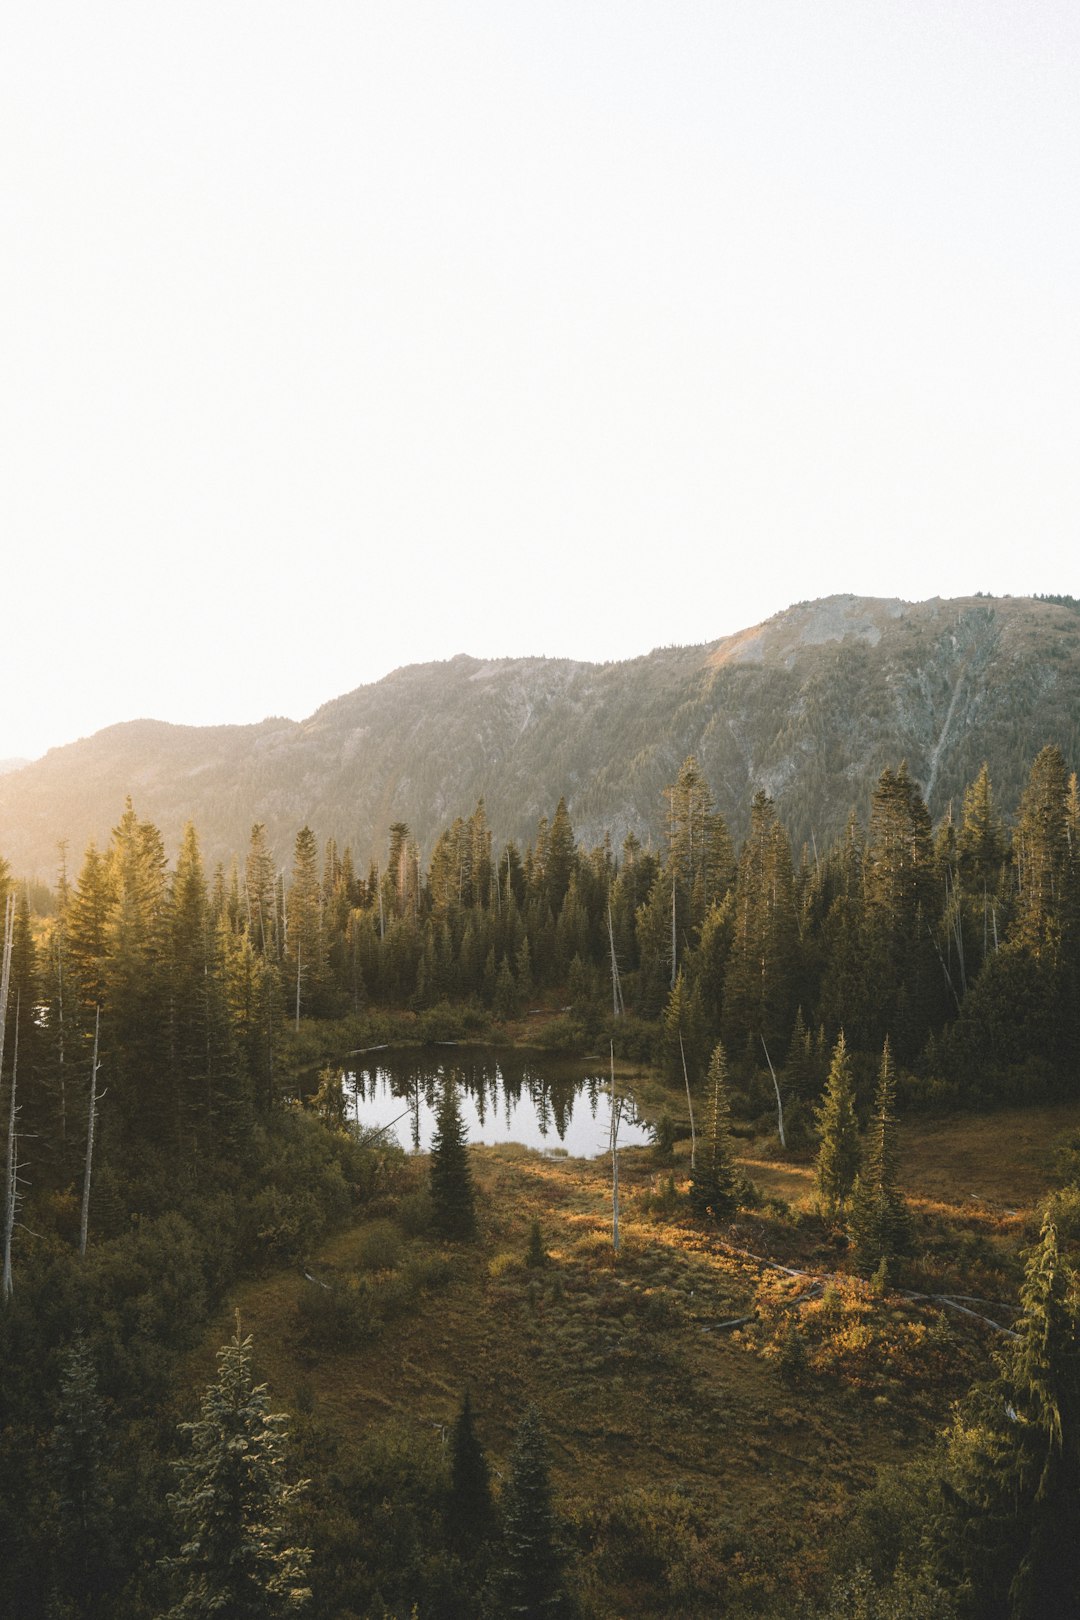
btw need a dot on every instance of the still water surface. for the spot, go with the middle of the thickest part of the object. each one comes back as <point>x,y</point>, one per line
<point>544,1102</point>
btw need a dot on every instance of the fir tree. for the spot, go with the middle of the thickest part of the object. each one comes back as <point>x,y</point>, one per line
<point>470,1513</point>
<point>531,1585</point>
<point>880,1219</point>
<point>714,1180</point>
<point>1011,1488</point>
<point>838,1155</point>
<point>233,1503</point>
<point>84,1549</point>
<point>452,1198</point>
<point>760,985</point>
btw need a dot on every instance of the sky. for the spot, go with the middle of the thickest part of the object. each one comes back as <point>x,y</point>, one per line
<point>341,336</point>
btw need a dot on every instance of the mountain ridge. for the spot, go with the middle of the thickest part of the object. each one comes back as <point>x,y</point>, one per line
<point>810,705</point>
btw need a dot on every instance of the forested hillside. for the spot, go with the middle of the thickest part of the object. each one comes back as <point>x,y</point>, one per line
<point>810,707</point>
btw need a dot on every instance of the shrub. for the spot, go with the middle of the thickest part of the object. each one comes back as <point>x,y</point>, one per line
<point>378,1247</point>
<point>502,1265</point>
<point>429,1271</point>
<point>415,1214</point>
<point>563,1034</point>
<point>664,1199</point>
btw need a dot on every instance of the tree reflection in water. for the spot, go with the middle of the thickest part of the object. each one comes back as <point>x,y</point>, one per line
<point>506,1096</point>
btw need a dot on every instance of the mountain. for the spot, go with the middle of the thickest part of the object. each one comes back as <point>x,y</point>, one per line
<point>7,765</point>
<point>811,705</point>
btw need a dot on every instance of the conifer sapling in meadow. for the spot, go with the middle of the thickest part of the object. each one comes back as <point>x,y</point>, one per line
<point>838,1156</point>
<point>715,1182</point>
<point>880,1219</point>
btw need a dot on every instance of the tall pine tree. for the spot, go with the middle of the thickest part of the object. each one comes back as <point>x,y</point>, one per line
<point>714,1180</point>
<point>880,1219</point>
<point>838,1155</point>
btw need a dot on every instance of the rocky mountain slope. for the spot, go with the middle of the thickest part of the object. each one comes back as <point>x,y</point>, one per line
<point>811,705</point>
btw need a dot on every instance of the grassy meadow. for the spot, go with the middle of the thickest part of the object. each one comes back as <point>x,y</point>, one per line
<point>712,1418</point>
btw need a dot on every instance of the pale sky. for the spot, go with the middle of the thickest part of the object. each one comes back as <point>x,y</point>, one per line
<point>339,336</point>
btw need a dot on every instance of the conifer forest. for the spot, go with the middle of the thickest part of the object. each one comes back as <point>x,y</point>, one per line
<point>812,1352</point>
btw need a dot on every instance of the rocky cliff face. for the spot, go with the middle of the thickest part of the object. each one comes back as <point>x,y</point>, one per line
<point>811,705</point>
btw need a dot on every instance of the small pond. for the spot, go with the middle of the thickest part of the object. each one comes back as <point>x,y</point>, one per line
<point>550,1103</point>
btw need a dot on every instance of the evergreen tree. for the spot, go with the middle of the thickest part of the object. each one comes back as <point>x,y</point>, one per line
<point>305,949</point>
<point>84,1544</point>
<point>470,1513</point>
<point>904,992</point>
<point>800,1070</point>
<point>1011,1486</point>
<point>1041,850</point>
<point>683,1037</point>
<point>980,843</point>
<point>714,1180</point>
<point>560,857</point>
<point>190,991</point>
<point>880,1219</point>
<point>452,1197</point>
<point>259,893</point>
<point>531,1584</point>
<point>233,1503</point>
<point>845,994</point>
<point>838,1156</point>
<point>760,987</point>
<point>88,924</point>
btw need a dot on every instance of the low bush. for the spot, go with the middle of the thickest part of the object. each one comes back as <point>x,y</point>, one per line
<point>378,1246</point>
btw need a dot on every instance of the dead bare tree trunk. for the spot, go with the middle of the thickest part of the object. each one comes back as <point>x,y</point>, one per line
<point>11,1169</point>
<point>689,1105</point>
<point>674,944</point>
<point>60,1016</point>
<point>5,971</point>
<point>616,1111</point>
<point>776,1088</point>
<point>617,1005</point>
<point>84,1219</point>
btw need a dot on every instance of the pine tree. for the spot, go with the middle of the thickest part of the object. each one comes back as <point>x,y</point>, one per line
<point>880,1219</point>
<point>305,950</point>
<point>84,1547</point>
<point>1011,1486</point>
<point>470,1512</point>
<point>980,843</point>
<point>905,989</point>
<point>1043,858</point>
<point>452,1196</point>
<point>259,893</point>
<point>760,987</point>
<point>838,1155</point>
<point>233,1503</point>
<point>531,1584</point>
<point>560,856</point>
<point>714,1180</point>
